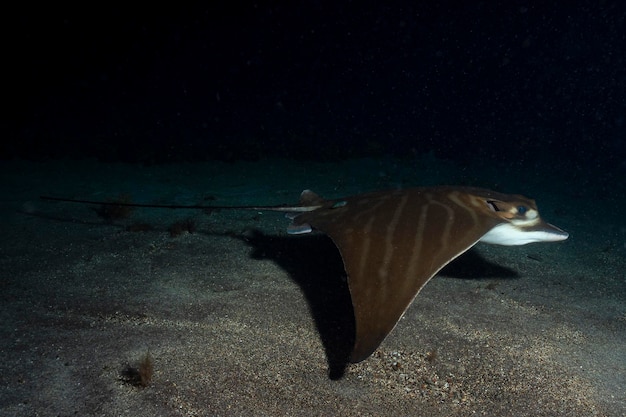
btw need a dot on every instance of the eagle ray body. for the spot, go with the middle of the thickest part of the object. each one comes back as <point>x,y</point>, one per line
<point>392,243</point>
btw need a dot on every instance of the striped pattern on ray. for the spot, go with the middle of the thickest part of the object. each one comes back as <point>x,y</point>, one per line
<point>392,243</point>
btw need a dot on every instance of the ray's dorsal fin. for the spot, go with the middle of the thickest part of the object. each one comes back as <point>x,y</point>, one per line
<point>309,198</point>
<point>309,201</point>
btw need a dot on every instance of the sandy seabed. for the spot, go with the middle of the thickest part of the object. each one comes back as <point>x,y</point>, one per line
<point>238,318</point>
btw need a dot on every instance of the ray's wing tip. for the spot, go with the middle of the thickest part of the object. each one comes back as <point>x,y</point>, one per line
<point>299,229</point>
<point>357,357</point>
<point>360,353</point>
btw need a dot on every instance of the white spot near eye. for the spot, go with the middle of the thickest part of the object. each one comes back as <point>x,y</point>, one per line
<point>508,234</point>
<point>532,214</point>
<point>525,222</point>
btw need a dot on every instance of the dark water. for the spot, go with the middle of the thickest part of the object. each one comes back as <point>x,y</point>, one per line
<point>530,85</point>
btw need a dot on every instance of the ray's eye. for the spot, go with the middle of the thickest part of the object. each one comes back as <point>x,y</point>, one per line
<point>521,210</point>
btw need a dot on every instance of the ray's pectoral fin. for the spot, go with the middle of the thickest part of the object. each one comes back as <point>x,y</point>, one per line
<point>385,281</point>
<point>380,297</point>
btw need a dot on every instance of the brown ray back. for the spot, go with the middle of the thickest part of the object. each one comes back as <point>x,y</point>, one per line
<point>393,242</point>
